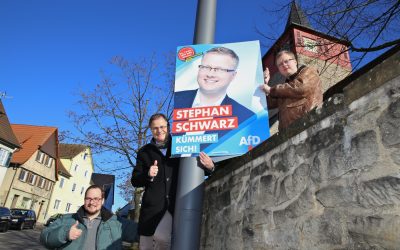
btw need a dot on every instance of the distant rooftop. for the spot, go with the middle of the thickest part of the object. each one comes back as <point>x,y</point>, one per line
<point>7,136</point>
<point>68,151</point>
<point>62,170</point>
<point>103,179</point>
<point>297,16</point>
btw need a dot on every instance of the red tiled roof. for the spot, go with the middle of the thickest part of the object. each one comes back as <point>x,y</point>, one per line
<point>7,137</point>
<point>32,138</point>
<point>68,151</point>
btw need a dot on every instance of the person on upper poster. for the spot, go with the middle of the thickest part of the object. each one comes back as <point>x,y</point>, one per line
<point>301,91</point>
<point>216,71</point>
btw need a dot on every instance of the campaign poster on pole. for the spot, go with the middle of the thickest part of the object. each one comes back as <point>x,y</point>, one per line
<point>219,108</point>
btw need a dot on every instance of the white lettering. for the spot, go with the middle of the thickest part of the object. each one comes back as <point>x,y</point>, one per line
<point>250,140</point>
<point>186,149</point>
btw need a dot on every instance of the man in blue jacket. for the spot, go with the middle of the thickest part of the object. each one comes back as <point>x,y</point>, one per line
<point>92,227</point>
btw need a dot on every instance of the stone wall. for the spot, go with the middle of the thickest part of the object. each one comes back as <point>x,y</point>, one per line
<point>330,181</point>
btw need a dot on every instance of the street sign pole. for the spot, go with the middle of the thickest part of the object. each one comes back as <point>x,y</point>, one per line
<point>189,197</point>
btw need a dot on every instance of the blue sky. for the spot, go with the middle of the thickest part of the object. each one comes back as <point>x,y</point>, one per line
<point>50,50</point>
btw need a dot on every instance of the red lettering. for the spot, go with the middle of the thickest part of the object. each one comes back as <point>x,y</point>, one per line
<point>228,123</point>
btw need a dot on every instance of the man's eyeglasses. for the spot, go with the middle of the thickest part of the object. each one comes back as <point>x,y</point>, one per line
<point>158,128</point>
<point>216,70</point>
<point>285,62</point>
<point>87,199</point>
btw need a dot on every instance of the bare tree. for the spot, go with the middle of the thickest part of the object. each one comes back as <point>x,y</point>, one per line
<point>112,118</point>
<point>368,25</point>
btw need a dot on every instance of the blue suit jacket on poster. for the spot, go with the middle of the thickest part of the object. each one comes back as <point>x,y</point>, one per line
<point>184,99</point>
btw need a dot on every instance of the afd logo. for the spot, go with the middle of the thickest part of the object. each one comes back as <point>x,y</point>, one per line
<point>249,140</point>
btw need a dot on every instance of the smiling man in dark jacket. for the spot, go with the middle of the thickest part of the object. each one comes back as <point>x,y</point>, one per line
<point>157,172</point>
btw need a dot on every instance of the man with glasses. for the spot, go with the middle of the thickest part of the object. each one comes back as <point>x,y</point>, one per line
<point>300,93</point>
<point>157,172</point>
<point>216,71</point>
<point>92,227</point>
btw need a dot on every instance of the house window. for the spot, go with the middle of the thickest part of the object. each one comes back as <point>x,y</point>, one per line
<point>57,204</point>
<point>299,38</point>
<point>41,182</point>
<point>46,160</point>
<point>26,202</point>
<point>5,157</point>
<point>67,207</point>
<point>31,179</point>
<point>82,189</point>
<point>73,187</point>
<point>76,167</point>
<point>86,172</point>
<point>310,45</point>
<point>40,156</point>
<point>61,182</point>
<point>49,162</point>
<point>84,156</point>
<point>49,185</point>
<point>23,175</point>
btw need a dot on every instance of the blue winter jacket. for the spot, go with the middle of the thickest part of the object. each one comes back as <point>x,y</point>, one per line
<point>110,234</point>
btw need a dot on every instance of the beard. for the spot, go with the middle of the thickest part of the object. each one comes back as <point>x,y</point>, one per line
<point>92,211</point>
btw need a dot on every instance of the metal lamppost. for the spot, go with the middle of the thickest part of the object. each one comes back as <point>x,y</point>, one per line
<point>189,197</point>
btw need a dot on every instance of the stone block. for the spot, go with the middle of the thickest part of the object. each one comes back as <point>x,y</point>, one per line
<point>258,170</point>
<point>326,137</point>
<point>277,163</point>
<point>371,194</point>
<point>336,196</point>
<point>374,231</point>
<point>389,126</point>
<point>396,157</point>
<point>362,154</point>
<point>294,210</point>
<point>315,174</point>
<point>323,230</point>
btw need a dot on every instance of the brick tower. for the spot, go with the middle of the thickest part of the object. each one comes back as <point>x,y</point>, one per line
<point>312,48</point>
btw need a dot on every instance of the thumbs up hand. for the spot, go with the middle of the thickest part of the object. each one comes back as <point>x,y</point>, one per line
<point>74,232</point>
<point>153,171</point>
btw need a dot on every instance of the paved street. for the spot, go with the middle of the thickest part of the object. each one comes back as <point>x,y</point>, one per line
<point>17,240</point>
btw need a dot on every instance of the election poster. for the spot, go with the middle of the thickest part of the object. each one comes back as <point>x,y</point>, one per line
<point>219,108</point>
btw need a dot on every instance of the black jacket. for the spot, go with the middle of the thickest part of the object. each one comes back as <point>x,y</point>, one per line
<point>159,194</point>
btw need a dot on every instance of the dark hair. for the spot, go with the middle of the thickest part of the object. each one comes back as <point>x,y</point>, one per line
<point>224,51</point>
<point>157,116</point>
<point>94,187</point>
<point>287,52</point>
